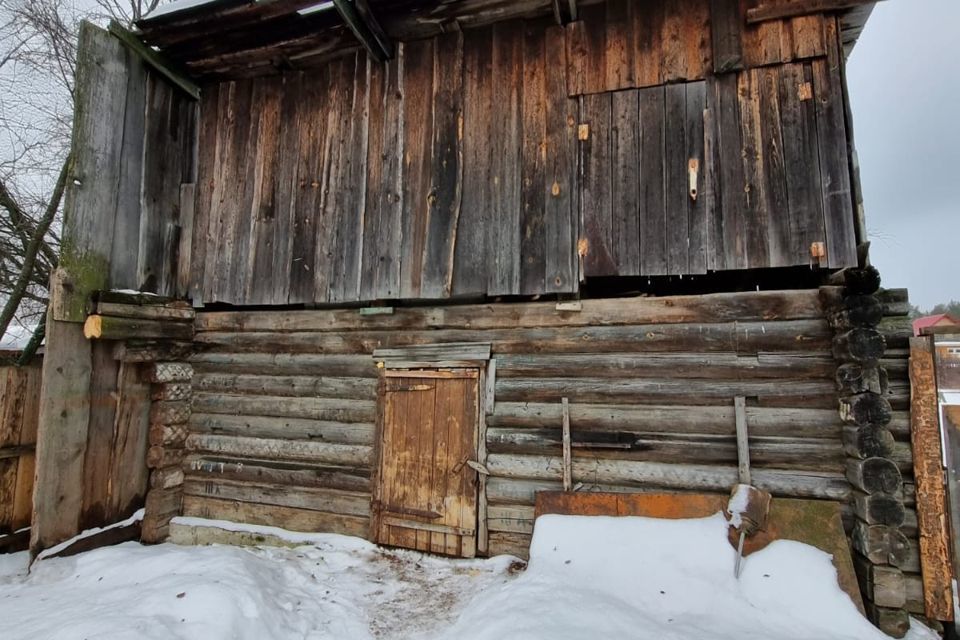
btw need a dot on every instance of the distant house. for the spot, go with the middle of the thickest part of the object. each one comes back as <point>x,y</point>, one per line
<point>938,320</point>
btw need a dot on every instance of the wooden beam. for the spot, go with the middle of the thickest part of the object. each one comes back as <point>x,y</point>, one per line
<point>114,328</point>
<point>358,16</point>
<point>156,60</point>
<point>778,9</point>
<point>929,477</point>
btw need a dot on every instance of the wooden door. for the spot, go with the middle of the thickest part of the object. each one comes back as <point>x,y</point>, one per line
<point>427,493</point>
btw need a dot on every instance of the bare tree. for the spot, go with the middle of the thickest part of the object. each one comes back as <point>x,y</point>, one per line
<point>38,52</point>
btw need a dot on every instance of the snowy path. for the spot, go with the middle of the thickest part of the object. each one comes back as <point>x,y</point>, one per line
<point>647,579</point>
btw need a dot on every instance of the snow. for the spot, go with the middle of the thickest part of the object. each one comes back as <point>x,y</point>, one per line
<point>630,578</point>
<point>738,504</point>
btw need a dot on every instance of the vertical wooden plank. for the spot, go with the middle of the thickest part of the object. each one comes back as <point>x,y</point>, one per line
<point>620,47</point>
<point>418,88</point>
<point>128,474</point>
<point>725,22</point>
<point>594,46</point>
<point>350,197</point>
<point>834,160</point>
<point>743,439</point>
<point>266,159</point>
<point>780,240</point>
<point>560,227</point>
<point>23,492</point>
<point>285,190</point>
<point>203,241</point>
<point>808,36</point>
<point>532,162</point>
<point>99,454</point>
<point>62,434</point>
<point>12,396</point>
<point>653,223</point>
<point>91,193</point>
<point>503,234</point>
<point>310,155</point>
<point>801,160</point>
<point>765,43</point>
<point>696,40</point>
<point>188,201</point>
<point>712,196</point>
<point>126,231</point>
<point>731,248</point>
<point>381,233</point>
<point>696,104</point>
<point>470,256</point>
<point>928,472</point>
<point>648,26</point>
<point>596,202</point>
<point>486,384</point>
<point>575,43</point>
<point>673,58</point>
<point>755,210</point>
<point>625,182</point>
<point>446,177</point>
<point>337,114</point>
<point>676,179</point>
<point>240,189</point>
<point>168,148</point>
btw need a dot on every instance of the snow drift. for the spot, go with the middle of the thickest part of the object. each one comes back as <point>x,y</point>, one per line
<point>624,578</point>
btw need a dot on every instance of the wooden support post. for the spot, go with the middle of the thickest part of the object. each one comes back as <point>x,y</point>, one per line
<point>567,456</point>
<point>743,442</point>
<point>929,478</point>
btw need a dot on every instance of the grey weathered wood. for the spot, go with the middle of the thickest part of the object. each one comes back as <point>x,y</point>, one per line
<point>62,436</point>
<point>743,440</point>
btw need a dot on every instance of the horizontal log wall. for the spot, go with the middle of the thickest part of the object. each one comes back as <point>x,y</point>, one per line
<point>284,404</point>
<point>897,330</point>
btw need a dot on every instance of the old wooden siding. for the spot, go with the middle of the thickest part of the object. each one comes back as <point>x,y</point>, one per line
<point>285,403</point>
<point>133,146</point>
<point>472,163</point>
<point>19,410</point>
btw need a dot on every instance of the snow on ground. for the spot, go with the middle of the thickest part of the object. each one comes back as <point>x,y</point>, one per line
<point>588,577</point>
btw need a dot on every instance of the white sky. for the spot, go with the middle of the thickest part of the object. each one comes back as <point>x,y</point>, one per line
<point>904,79</point>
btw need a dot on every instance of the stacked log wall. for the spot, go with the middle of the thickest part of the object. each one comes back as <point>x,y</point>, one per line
<point>867,339</point>
<point>284,404</point>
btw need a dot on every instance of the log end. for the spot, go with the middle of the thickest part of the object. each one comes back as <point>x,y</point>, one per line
<point>93,327</point>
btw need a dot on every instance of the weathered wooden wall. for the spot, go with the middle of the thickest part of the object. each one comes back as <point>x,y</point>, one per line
<point>481,162</point>
<point>285,403</point>
<point>133,144</point>
<point>19,410</point>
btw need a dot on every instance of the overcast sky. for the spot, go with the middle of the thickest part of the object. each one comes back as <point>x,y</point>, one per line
<point>904,79</point>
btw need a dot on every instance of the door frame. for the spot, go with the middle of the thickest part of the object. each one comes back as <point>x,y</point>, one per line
<point>392,362</point>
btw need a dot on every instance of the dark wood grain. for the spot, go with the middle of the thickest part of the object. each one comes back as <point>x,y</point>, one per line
<point>625,182</point>
<point>653,221</point>
<point>446,182</point>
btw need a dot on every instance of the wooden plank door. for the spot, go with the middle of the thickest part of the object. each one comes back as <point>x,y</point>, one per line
<point>427,494</point>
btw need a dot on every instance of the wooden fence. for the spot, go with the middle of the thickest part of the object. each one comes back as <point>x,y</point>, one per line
<point>19,409</point>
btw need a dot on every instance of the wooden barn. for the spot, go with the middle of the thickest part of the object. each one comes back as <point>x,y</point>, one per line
<point>391,269</point>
